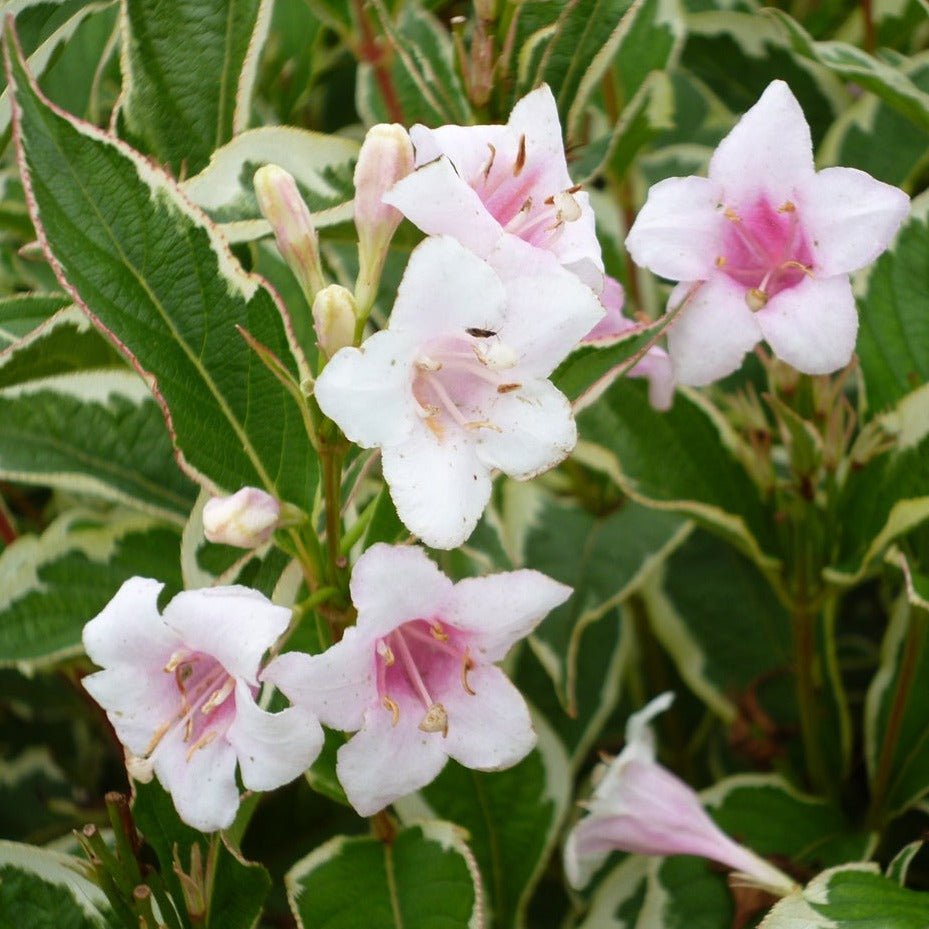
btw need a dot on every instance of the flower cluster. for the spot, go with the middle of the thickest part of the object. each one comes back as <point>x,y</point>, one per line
<point>456,386</point>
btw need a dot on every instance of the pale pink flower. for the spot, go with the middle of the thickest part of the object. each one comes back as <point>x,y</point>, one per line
<point>478,183</point>
<point>654,364</point>
<point>417,677</point>
<point>246,519</point>
<point>456,386</point>
<point>772,241</point>
<point>180,688</point>
<point>638,806</point>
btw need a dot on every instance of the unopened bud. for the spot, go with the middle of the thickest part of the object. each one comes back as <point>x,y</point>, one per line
<point>282,206</point>
<point>386,157</point>
<point>334,319</point>
<point>245,520</point>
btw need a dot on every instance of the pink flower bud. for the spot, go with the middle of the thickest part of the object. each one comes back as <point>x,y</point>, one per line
<point>386,157</point>
<point>245,520</point>
<point>281,205</point>
<point>334,319</point>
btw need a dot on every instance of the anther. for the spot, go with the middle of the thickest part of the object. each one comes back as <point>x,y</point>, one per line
<point>435,720</point>
<point>389,704</point>
<point>384,650</point>
<point>731,215</point>
<point>755,299</point>
<point>218,696</point>
<point>787,207</point>
<point>507,388</point>
<point>438,632</point>
<point>720,261</point>
<point>520,162</point>
<point>466,666</point>
<point>202,742</point>
<point>490,162</point>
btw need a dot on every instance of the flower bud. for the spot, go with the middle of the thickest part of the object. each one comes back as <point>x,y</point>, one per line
<point>334,319</point>
<point>386,156</point>
<point>245,520</point>
<point>282,206</point>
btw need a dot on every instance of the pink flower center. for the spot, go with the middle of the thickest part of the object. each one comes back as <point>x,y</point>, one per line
<point>765,250</point>
<point>509,187</point>
<point>456,378</point>
<point>205,700</point>
<point>417,662</point>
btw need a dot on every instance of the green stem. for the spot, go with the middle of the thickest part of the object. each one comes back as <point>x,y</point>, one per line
<point>807,664</point>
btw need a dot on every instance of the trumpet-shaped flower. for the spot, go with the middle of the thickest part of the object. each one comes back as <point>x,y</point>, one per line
<point>456,386</point>
<point>416,677</point>
<point>179,689</point>
<point>478,183</point>
<point>772,241</point>
<point>638,806</point>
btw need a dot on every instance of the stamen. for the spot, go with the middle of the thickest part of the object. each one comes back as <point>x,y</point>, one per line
<point>202,742</point>
<point>435,720</point>
<point>389,704</point>
<point>482,424</point>
<point>412,672</point>
<point>438,632</point>
<point>720,261</point>
<point>156,738</point>
<point>466,666</point>
<point>787,207</point>
<point>507,388</point>
<point>218,696</point>
<point>756,299</point>
<point>490,162</point>
<point>385,651</point>
<point>520,162</point>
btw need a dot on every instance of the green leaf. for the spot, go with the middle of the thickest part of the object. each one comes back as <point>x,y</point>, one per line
<point>51,585</point>
<point>874,137</point>
<point>851,897</point>
<point>424,878</point>
<point>157,278</point>
<point>189,69</point>
<point>853,64</point>
<point>896,720</point>
<point>512,818</point>
<point>893,341</point>
<point>323,166</point>
<point>887,497</point>
<point>22,314</point>
<point>40,889</point>
<point>899,866</point>
<point>603,559</point>
<point>36,797</point>
<point>43,27</point>
<point>424,86</point>
<point>99,433</point>
<point>679,460</point>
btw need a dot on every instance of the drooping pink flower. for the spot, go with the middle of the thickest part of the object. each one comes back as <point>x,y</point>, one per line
<point>456,386</point>
<point>772,241</point>
<point>416,677</point>
<point>478,183</point>
<point>641,807</point>
<point>180,688</point>
<point>654,365</point>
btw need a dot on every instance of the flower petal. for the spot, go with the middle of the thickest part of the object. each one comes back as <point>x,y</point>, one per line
<point>445,288</point>
<point>417,588</point>
<point>712,333</point>
<point>202,785</point>
<point>812,326</point>
<point>536,430</point>
<point>500,609</point>
<point>383,762</point>
<point>491,729</point>
<point>769,150</point>
<point>129,629</point>
<point>137,701</point>
<point>235,625</point>
<point>438,200</point>
<point>679,231</point>
<point>336,685</point>
<point>849,218</point>
<point>440,488</point>
<point>367,390</point>
<point>272,748</point>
